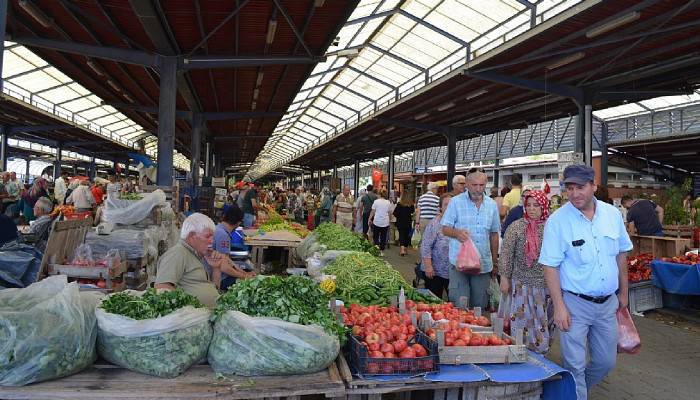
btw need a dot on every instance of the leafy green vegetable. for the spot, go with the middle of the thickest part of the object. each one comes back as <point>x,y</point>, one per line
<point>47,331</point>
<point>166,355</point>
<point>156,333</point>
<point>336,237</point>
<point>150,305</point>
<point>252,346</point>
<point>364,279</point>
<point>295,299</point>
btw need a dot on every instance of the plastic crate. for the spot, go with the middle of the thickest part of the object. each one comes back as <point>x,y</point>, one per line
<point>365,365</point>
<point>644,296</point>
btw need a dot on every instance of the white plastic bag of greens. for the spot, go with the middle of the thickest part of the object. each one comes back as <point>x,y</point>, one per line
<point>251,346</point>
<point>308,247</point>
<point>47,331</point>
<point>161,334</point>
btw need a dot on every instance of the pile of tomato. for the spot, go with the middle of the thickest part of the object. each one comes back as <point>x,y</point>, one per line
<point>449,312</point>
<point>639,267</point>
<point>688,259</point>
<point>386,334</point>
<point>458,335</point>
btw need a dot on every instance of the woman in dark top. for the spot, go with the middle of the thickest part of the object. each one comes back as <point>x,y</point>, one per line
<point>404,221</point>
<point>29,198</point>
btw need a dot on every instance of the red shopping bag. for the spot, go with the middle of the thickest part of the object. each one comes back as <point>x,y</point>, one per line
<point>468,258</point>
<point>628,340</point>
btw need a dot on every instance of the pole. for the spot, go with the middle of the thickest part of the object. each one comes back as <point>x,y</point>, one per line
<point>207,155</point>
<point>390,171</point>
<point>356,178</point>
<point>588,135</point>
<point>604,156</point>
<point>57,163</point>
<point>26,170</point>
<point>3,24</point>
<point>93,168</point>
<point>320,183</point>
<point>497,172</point>
<point>451,157</point>
<point>3,147</point>
<point>166,119</point>
<point>196,147</point>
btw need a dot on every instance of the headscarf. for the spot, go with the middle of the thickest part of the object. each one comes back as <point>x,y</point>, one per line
<point>38,185</point>
<point>532,235</point>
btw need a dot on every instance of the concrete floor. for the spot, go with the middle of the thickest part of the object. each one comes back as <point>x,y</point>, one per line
<point>668,366</point>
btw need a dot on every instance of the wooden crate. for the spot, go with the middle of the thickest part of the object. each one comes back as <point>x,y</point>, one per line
<point>114,277</point>
<point>678,231</point>
<point>505,354</point>
<point>108,382</point>
<point>419,388</point>
<point>65,237</point>
<point>660,246</point>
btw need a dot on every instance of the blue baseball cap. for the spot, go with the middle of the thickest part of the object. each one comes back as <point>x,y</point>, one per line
<point>578,174</point>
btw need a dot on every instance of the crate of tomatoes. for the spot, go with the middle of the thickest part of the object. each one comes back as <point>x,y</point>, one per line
<point>385,342</point>
<point>639,267</point>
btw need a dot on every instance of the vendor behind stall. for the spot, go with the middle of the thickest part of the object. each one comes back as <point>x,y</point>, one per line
<point>183,265</point>
<point>41,227</point>
<point>81,198</point>
<point>222,244</point>
<point>645,215</point>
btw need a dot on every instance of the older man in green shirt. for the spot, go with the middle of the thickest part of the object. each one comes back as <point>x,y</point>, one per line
<point>183,264</point>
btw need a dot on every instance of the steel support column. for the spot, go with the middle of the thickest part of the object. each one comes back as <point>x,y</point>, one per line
<point>93,168</point>
<point>588,135</point>
<point>391,166</point>
<point>302,179</point>
<point>497,173</point>
<point>451,157</point>
<point>320,182</point>
<point>196,148</point>
<point>207,157</point>
<point>335,171</point>
<point>356,178</point>
<point>604,156</point>
<point>3,146</point>
<point>3,24</point>
<point>166,120</point>
<point>213,165</point>
<point>57,163</point>
<point>26,170</point>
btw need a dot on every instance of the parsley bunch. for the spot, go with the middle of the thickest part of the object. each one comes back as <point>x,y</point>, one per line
<point>150,305</point>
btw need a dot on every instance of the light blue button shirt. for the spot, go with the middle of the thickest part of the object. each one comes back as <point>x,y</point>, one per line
<point>584,250</point>
<point>480,222</point>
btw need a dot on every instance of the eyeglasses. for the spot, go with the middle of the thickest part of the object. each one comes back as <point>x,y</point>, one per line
<point>476,169</point>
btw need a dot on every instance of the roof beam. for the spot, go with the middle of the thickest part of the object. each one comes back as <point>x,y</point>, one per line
<point>37,128</point>
<point>637,95</point>
<point>115,54</point>
<point>524,83</point>
<point>218,116</point>
<point>433,27</point>
<point>207,62</point>
<point>216,29</point>
<point>27,72</point>
<point>396,57</point>
<point>50,88</point>
<point>374,78</point>
<point>412,124</point>
<point>372,16</point>
<point>74,99</point>
<point>358,94</point>
<point>293,26</point>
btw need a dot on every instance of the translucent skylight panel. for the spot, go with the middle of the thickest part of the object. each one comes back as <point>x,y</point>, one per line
<point>339,111</point>
<point>28,56</point>
<point>369,27</point>
<point>35,81</point>
<point>365,8</point>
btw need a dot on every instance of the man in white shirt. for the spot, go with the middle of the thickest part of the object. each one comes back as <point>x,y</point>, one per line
<point>428,207</point>
<point>81,198</point>
<point>60,188</point>
<point>344,208</point>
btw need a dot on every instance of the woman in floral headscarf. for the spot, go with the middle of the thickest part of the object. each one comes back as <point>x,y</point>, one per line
<point>522,277</point>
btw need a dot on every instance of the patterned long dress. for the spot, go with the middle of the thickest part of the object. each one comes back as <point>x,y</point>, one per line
<point>531,306</point>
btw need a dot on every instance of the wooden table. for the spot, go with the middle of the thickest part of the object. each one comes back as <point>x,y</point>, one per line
<point>106,381</point>
<point>282,239</point>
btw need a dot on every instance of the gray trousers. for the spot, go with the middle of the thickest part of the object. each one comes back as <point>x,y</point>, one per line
<point>593,328</point>
<point>472,286</point>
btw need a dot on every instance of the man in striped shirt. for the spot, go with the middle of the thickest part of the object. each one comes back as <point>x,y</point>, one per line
<point>427,208</point>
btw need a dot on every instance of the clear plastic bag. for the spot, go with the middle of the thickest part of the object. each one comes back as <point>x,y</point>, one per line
<point>416,238</point>
<point>47,331</point>
<point>468,259</point>
<point>253,346</point>
<point>494,291</point>
<point>127,212</point>
<point>134,243</point>
<point>83,256</point>
<point>628,340</point>
<point>319,261</point>
<point>164,347</point>
<point>308,247</point>
<point>504,305</point>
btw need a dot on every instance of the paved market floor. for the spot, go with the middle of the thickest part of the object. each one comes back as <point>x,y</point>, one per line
<point>667,367</point>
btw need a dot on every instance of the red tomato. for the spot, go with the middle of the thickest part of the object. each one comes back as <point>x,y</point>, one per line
<point>449,341</point>
<point>356,330</point>
<point>373,346</point>
<point>408,352</point>
<point>438,315</point>
<point>420,350</point>
<point>460,342</point>
<point>400,345</point>
<point>389,355</point>
<point>387,348</point>
<point>372,368</point>
<point>376,354</point>
<point>372,337</point>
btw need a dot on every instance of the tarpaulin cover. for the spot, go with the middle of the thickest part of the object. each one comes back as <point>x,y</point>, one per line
<point>537,368</point>
<point>19,265</point>
<point>676,278</point>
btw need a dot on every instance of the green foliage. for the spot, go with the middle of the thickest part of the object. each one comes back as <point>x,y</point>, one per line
<point>295,299</point>
<point>336,237</point>
<point>150,305</point>
<point>674,212</point>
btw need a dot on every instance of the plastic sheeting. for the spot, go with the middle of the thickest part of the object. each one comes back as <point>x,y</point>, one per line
<point>19,265</point>
<point>129,212</point>
<point>134,242</point>
<point>47,331</point>
<point>165,346</point>
<point>676,278</point>
<point>252,346</point>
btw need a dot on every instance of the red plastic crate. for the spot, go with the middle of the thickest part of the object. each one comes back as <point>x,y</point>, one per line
<point>365,365</point>
<point>78,215</point>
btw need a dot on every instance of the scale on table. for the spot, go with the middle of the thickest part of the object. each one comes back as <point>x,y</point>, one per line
<point>240,255</point>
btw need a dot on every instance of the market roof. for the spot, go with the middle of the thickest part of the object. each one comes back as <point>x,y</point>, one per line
<point>623,50</point>
<point>261,37</point>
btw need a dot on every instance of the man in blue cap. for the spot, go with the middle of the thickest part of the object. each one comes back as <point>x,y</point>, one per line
<point>584,254</point>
